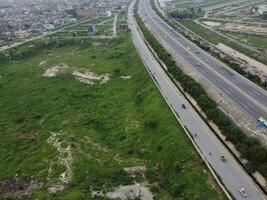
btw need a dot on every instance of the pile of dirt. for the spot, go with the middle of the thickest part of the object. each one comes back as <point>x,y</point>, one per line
<point>17,187</point>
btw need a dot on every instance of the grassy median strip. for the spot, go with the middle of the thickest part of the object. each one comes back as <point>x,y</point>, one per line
<point>250,148</point>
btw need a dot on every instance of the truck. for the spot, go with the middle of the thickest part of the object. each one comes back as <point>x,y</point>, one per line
<point>262,120</point>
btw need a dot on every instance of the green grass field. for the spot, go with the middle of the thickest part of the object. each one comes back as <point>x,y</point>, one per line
<point>253,40</point>
<point>55,125</point>
<point>202,32</point>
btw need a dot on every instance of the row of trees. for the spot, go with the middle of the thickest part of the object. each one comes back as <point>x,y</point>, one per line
<point>250,148</point>
<point>235,66</point>
<point>190,13</point>
<point>32,48</point>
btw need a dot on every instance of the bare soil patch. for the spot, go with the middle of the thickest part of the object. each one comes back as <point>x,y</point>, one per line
<point>251,64</point>
<point>212,24</point>
<point>136,169</point>
<point>54,71</point>
<point>126,77</point>
<point>89,77</point>
<point>131,192</point>
<point>83,75</point>
<point>18,187</point>
<point>64,158</point>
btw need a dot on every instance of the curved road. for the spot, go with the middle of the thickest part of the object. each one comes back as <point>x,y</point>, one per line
<point>231,173</point>
<point>248,97</point>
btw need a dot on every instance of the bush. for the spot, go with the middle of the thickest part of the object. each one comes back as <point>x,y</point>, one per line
<point>177,190</point>
<point>152,124</point>
<point>117,71</point>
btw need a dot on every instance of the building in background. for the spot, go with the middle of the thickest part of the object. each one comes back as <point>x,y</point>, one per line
<point>262,10</point>
<point>91,30</point>
<point>90,12</point>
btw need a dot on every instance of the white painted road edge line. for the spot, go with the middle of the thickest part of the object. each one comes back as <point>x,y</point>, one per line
<point>175,114</point>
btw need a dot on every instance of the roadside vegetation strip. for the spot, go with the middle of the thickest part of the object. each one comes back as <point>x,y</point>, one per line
<point>214,39</point>
<point>249,147</point>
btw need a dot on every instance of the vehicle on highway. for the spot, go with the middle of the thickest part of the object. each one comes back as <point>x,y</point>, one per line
<point>183,106</point>
<point>243,192</point>
<point>198,64</point>
<point>262,120</point>
<point>197,52</point>
<point>223,158</point>
<point>188,48</point>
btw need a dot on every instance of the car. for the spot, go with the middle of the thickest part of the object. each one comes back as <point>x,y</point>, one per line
<point>243,192</point>
<point>197,52</point>
<point>260,119</point>
<point>183,106</point>
<point>188,48</point>
<point>223,158</point>
<point>198,64</point>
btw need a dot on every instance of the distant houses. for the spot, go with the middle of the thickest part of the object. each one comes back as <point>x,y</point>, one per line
<point>262,10</point>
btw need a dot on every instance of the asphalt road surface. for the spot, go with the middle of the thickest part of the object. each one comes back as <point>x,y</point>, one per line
<point>231,173</point>
<point>247,96</point>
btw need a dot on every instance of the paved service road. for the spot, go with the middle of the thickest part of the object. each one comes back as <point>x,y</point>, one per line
<point>247,96</point>
<point>232,175</point>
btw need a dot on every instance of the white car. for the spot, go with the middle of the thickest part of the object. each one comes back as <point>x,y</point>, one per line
<point>188,48</point>
<point>243,192</point>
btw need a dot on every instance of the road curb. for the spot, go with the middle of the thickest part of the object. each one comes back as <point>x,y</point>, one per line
<point>216,177</point>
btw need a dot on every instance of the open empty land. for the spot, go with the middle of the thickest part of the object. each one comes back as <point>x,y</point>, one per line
<point>85,121</point>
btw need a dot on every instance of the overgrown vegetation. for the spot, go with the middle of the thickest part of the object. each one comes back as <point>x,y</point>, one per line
<point>191,13</point>
<point>104,127</point>
<point>250,148</point>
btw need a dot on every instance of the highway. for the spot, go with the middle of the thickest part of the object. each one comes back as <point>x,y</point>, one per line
<point>244,94</point>
<point>231,173</point>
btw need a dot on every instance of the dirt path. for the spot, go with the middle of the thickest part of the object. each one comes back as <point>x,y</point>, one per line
<point>115,26</point>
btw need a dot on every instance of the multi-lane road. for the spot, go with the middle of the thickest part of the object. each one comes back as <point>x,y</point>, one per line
<point>247,96</point>
<point>231,173</point>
